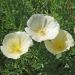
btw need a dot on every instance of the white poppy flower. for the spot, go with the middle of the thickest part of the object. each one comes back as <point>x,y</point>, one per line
<point>41,27</point>
<point>16,44</point>
<point>61,43</point>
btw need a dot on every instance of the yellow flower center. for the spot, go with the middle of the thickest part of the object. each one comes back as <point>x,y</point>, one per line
<point>15,46</point>
<point>58,45</point>
<point>40,31</point>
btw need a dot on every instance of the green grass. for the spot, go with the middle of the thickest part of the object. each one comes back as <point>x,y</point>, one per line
<point>38,61</point>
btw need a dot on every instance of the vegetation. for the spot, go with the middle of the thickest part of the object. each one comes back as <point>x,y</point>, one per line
<point>38,61</point>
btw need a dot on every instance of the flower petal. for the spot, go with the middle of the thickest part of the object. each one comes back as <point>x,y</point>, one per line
<point>16,40</point>
<point>74,29</point>
<point>9,55</point>
<point>52,27</point>
<point>42,28</point>
<point>34,35</point>
<point>36,21</point>
<point>70,40</point>
<point>61,43</point>
<point>26,41</point>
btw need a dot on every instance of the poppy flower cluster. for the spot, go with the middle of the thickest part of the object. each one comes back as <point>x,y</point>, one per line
<point>40,28</point>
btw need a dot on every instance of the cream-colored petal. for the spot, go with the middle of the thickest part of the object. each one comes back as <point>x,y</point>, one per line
<point>70,40</point>
<point>48,45</point>
<point>26,41</point>
<point>9,55</point>
<point>7,38</point>
<point>36,21</point>
<point>48,19</point>
<point>52,27</point>
<point>42,28</point>
<point>16,44</point>
<point>74,29</point>
<point>35,36</point>
<point>61,43</point>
